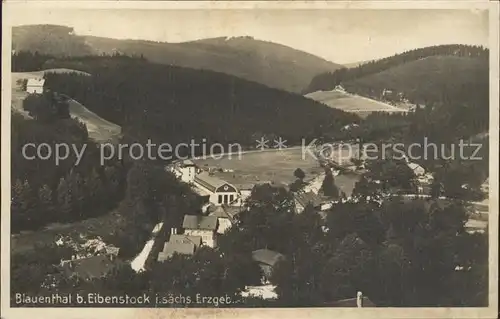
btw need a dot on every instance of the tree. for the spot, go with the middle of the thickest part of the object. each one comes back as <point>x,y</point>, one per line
<point>297,185</point>
<point>328,186</point>
<point>299,173</point>
<point>76,187</point>
<point>64,199</point>
<point>45,199</point>
<point>94,190</point>
<point>23,204</point>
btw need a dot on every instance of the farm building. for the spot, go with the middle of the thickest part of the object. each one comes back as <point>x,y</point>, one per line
<point>35,86</point>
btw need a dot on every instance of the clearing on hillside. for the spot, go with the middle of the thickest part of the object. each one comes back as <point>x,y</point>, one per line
<point>360,105</point>
<point>99,129</point>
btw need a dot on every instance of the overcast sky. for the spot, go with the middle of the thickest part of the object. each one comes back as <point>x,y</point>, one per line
<point>341,36</point>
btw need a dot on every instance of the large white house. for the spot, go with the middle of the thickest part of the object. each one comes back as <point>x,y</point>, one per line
<point>217,191</point>
<point>35,86</point>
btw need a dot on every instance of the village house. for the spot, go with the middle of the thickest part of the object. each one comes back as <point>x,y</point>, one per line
<point>302,199</point>
<point>180,244</point>
<point>202,226</point>
<point>215,190</point>
<point>35,86</point>
<point>225,216</point>
<point>267,260</point>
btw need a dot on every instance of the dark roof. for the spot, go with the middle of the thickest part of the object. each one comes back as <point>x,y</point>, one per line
<point>91,267</point>
<point>200,222</point>
<point>351,302</point>
<point>309,198</point>
<point>266,256</point>
<point>185,239</point>
<point>171,248</point>
<point>224,211</point>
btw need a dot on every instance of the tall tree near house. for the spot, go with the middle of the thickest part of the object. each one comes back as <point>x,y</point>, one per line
<point>64,199</point>
<point>76,187</point>
<point>45,199</point>
<point>351,269</point>
<point>113,186</point>
<point>94,190</point>
<point>23,204</point>
<point>328,186</point>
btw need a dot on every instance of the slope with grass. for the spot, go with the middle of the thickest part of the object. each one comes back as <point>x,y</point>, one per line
<point>357,104</point>
<point>99,129</point>
<point>272,64</point>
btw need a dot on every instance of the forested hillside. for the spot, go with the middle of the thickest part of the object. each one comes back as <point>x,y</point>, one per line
<point>269,63</point>
<point>448,83</point>
<point>172,104</point>
<point>44,191</point>
<point>328,80</point>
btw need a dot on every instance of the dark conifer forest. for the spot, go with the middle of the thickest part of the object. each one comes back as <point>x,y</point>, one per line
<point>172,104</point>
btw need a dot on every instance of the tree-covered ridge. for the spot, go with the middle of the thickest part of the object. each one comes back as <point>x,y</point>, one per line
<point>49,39</point>
<point>27,61</point>
<point>329,80</point>
<point>272,64</point>
<point>173,104</point>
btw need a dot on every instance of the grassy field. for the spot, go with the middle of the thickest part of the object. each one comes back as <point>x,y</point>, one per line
<point>267,166</point>
<point>352,103</point>
<point>272,166</point>
<point>99,226</point>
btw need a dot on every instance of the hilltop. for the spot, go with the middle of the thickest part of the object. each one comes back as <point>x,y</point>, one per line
<point>269,63</point>
<point>434,78</point>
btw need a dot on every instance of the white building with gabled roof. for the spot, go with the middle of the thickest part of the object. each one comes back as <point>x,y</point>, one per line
<point>35,86</point>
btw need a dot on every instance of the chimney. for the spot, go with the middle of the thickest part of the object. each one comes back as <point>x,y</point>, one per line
<point>359,299</point>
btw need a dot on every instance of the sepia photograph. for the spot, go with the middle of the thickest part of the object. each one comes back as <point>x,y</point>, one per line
<point>228,158</point>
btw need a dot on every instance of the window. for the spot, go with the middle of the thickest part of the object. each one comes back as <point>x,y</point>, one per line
<point>225,199</point>
<point>220,199</point>
<point>231,198</point>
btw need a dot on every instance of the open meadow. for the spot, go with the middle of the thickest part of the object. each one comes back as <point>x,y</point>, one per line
<point>102,226</point>
<point>352,103</point>
<point>272,166</point>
